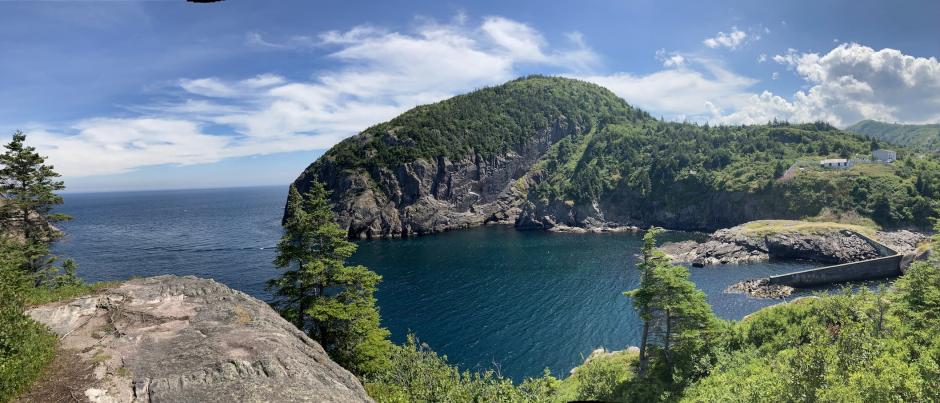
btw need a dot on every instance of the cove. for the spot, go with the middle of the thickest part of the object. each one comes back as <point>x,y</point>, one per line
<point>489,297</point>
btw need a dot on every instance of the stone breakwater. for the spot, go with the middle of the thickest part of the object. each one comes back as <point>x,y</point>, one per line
<point>184,339</point>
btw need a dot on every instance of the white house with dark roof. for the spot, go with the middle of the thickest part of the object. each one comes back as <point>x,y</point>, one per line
<point>838,163</point>
<point>884,155</point>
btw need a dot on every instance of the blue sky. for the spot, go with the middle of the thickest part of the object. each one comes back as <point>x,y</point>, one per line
<point>154,95</point>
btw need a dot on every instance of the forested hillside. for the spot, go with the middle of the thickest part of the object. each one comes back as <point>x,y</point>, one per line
<point>924,137</point>
<point>685,176</point>
<point>544,152</point>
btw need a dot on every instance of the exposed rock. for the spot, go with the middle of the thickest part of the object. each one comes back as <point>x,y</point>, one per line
<point>903,241</point>
<point>184,339</point>
<point>829,248</point>
<point>760,288</point>
<point>425,197</point>
<point>725,246</point>
<point>625,206</point>
<point>737,245</point>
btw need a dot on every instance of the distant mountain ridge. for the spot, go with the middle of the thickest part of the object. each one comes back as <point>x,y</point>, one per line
<point>924,137</point>
<point>556,153</point>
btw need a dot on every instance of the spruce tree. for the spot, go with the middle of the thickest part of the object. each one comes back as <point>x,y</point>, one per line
<point>321,295</point>
<point>676,315</point>
<point>27,189</point>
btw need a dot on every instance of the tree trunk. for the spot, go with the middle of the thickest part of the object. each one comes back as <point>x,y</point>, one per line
<point>666,342</point>
<point>643,341</point>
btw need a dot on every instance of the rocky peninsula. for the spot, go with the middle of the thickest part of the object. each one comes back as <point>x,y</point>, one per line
<point>183,339</point>
<point>820,242</point>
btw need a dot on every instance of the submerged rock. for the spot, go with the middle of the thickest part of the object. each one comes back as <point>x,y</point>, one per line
<point>185,339</point>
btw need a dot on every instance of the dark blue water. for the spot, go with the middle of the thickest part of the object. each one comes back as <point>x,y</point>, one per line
<point>522,301</point>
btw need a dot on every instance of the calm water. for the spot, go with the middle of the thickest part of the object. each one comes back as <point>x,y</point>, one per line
<point>522,301</point>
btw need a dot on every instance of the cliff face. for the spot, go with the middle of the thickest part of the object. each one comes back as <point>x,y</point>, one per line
<point>429,196</point>
<point>698,211</point>
<point>184,339</point>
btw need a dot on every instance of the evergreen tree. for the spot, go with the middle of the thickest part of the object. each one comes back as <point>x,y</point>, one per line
<point>319,294</point>
<point>27,189</point>
<point>676,316</point>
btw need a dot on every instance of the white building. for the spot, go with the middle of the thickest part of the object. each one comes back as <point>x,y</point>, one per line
<point>884,155</point>
<point>840,163</point>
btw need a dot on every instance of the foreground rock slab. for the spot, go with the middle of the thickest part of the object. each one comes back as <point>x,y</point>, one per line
<point>185,339</point>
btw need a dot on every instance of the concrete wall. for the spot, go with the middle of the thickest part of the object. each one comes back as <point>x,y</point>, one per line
<point>883,267</point>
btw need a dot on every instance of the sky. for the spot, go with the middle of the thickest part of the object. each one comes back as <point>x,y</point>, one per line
<point>167,94</point>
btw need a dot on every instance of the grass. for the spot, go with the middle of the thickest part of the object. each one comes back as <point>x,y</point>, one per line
<point>27,346</point>
<point>618,365</point>
<point>766,227</point>
<point>44,295</point>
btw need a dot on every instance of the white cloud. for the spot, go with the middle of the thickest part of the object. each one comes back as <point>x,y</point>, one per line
<point>730,40</point>
<point>775,76</point>
<point>850,83</point>
<point>789,59</point>
<point>379,74</point>
<point>690,90</point>
<point>672,59</point>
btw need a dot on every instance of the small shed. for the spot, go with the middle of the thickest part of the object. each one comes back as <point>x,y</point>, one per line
<point>884,155</point>
<point>839,163</point>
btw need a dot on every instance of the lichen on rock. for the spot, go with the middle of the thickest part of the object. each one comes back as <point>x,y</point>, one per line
<point>185,339</point>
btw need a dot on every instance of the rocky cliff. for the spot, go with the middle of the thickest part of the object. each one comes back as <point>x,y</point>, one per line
<point>433,195</point>
<point>184,339</point>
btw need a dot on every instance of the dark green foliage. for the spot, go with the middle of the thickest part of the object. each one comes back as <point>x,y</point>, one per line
<point>678,325</point>
<point>25,346</point>
<point>27,190</point>
<point>605,149</point>
<point>924,137</point>
<point>332,302</point>
<point>485,122</point>
<point>418,374</point>
<point>854,347</point>
<point>649,166</point>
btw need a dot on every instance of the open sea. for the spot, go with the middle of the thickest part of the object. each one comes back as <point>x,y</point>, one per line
<point>490,297</point>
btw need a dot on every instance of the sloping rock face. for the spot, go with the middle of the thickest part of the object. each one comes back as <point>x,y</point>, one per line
<point>185,339</point>
<point>735,245</point>
<point>828,248</point>
<point>430,196</point>
<point>710,210</point>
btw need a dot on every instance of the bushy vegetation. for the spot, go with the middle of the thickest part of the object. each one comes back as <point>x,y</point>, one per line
<point>854,347</point>
<point>25,346</point>
<point>650,165</point>
<point>925,137</point>
<point>29,275</point>
<point>486,122</point>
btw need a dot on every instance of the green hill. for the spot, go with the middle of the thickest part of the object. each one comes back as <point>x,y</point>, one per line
<point>924,137</point>
<point>545,152</point>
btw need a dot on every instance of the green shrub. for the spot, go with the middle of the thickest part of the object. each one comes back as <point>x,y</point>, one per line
<point>25,346</point>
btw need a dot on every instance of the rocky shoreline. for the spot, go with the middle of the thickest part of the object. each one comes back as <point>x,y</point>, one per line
<point>739,245</point>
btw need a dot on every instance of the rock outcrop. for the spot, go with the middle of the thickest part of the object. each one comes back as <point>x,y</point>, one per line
<point>430,196</point>
<point>185,339</point>
<point>738,245</point>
